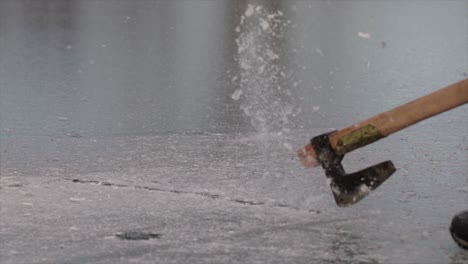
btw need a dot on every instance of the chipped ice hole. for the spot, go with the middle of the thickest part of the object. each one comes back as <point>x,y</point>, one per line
<point>137,235</point>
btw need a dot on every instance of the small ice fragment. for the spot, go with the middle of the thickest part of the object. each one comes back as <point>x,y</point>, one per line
<point>261,69</point>
<point>316,108</point>
<point>264,24</point>
<point>271,55</point>
<point>258,9</point>
<point>250,10</point>
<point>104,46</point>
<point>62,118</point>
<point>69,47</point>
<point>319,52</point>
<point>28,204</point>
<point>236,95</point>
<point>364,189</point>
<point>288,146</point>
<point>364,35</point>
<point>237,29</point>
<point>336,190</point>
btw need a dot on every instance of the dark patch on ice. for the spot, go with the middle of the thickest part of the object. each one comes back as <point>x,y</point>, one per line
<point>99,183</point>
<point>247,202</point>
<point>383,44</point>
<point>15,185</point>
<point>209,195</point>
<point>74,134</point>
<point>136,235</point>
<point>84,181</point>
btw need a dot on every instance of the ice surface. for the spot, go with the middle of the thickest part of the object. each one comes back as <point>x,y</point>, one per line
<point>225,197</point>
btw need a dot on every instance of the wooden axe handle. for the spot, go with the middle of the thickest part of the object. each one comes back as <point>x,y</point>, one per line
<point>389,122</point>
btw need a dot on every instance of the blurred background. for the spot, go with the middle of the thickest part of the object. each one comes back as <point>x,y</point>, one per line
<point>147,67</point>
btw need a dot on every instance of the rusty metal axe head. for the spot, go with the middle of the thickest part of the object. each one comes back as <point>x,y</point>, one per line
<point>348,188</point>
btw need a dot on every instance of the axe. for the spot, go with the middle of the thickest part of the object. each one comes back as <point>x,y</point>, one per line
<point>329,149</point>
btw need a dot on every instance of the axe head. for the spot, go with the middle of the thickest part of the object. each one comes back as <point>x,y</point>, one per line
<point>348,189</point>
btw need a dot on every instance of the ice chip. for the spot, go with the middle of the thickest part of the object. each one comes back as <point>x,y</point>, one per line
<point>264,24</point>
<point>271,55</point>
<point>250,10</point>
<point>315,108</point>
<point>236,95</point>
<point>364,35</point>
<point>319,52</point>
<point>364,189</point>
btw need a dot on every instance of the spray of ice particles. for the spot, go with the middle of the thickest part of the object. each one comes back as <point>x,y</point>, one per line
<point>261,93</point>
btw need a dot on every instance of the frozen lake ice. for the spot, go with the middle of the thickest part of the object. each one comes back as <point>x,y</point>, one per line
<point>165,131</point>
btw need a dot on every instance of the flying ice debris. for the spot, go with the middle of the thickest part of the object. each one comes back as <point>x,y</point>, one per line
<point>264,24</point>
<point>364,35</point>
<point>236,95</point>
<point>250,11</point>
<point>319,52</point>
<point>316,108</point>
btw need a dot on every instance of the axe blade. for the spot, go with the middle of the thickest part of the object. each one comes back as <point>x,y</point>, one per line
<point>350,188</point>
